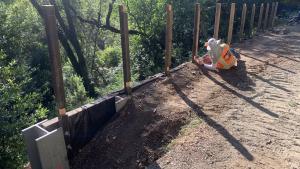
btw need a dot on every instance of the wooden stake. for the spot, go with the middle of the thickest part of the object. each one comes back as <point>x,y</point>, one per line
<point>169,35</point>
<point>261,11</point>
<point>243,19</point>
<point>252,19</point>
<point>266,17</point>
<point>196,32</point>
<point>56,70</point>
<point>274,15</point>
<point>53,47</point>
<point>217,20</point>
<point>271,15</point>
<point>125,49</point>
<point>231,19</point>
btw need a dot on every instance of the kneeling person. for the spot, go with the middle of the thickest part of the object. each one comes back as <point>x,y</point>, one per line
<point>219,56</point>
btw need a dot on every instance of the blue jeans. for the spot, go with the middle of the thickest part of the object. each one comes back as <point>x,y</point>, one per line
<point>235,54</point>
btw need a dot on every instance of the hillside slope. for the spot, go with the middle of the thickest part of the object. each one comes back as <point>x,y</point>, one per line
<point>247,117</point>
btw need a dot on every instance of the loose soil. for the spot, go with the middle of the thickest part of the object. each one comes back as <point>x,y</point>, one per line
<point>246,117</point>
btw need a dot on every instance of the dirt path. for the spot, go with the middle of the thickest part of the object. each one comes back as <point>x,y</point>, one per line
<point>253,122</point>
<point>248,117</point>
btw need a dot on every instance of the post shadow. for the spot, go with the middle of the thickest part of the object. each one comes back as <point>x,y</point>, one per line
<point>238,77</point>
<point>270,64</point>
<point>269,82</point>
<point>219,128</point>
<point>247,99</point>
<point>278,53</point>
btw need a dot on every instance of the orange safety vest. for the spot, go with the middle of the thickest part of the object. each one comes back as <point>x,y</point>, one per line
<point>227,59</point>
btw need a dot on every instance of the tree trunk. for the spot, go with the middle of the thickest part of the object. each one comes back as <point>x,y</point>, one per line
<point>67,37</point>
<point>72,36</point>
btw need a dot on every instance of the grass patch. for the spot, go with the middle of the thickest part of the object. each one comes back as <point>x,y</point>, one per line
<point>185,130</point>
<point>293,104</point>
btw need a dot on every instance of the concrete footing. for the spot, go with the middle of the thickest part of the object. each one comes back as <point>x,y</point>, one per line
<point>46,149</point>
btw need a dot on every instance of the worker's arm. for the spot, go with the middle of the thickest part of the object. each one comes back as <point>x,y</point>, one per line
<point>210,66</point>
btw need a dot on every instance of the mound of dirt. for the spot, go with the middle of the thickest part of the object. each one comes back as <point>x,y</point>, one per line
<point>139,136</point>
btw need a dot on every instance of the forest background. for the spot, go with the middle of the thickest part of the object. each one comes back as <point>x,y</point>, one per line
<point>90,48</point>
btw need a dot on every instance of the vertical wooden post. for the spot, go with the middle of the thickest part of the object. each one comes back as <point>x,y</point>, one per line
<point>169,35</point>
<point>217,20</point>
<point>125,48</point>
<point>261,11</point>
<point>266,17</point>
<point>231,19</point>
<point>271,15</point>
<point>56,69</point>
<point>196,31</point>
<point>55,60</point>
<point>274,14</point>
<point>252,19</point>
<point>243,19</point>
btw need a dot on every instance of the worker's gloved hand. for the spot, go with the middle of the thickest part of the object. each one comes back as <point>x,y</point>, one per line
<point>200,62</point>
<point>207,59</point>
<point>197,60</point>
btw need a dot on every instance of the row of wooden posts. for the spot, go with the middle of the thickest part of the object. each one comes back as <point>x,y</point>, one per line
<point>55,60</point>
<point>268,23</point>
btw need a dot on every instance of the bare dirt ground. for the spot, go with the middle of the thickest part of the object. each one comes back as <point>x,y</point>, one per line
<point>247,117</point>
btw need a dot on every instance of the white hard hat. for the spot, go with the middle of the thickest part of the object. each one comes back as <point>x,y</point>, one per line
<point>212,42</point>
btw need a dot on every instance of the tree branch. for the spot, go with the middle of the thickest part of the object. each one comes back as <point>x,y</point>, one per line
<point>107,25</point>
<point>59,18</point>
<point>110,9</point>
<point>37,7</point>
<point>68,37</point>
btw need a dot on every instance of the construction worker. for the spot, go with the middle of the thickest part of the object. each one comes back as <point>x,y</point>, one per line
<point>219,56</point>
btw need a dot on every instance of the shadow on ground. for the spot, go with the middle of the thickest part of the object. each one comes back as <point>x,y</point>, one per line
<point>238,77</point>
<point>230,79</point>
<point>212,123</point>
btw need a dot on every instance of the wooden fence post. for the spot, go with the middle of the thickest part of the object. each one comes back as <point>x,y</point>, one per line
<point>217,20</point>
<point>230,27</point>
<point>266,17</point>
<point>125,49</point>
<point>243,19</point>
<point>274,14</point>
<point>252,19</point>
<point>196,32</point>
<point>271,15</point>
<point>55,60</point>
<point>169,35</point>
<point>261,11</point>
<point>56,69</point>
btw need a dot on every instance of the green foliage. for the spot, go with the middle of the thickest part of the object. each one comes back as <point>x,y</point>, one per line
<point>23,84</point>
<point>25,77</point>
<point>76,95</point>
<point>290,2</point>
<point>22,39</point>
<point>18,110</point>
<point>115,82</point>
<point>149,17</point>
<point>110,57</point>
